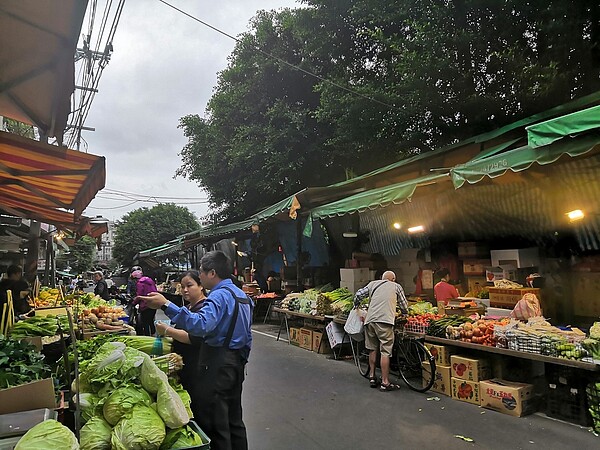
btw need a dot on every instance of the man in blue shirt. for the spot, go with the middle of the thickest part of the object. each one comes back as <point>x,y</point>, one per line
<point>224,322</point>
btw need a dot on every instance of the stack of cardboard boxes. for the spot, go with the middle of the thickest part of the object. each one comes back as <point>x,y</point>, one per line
<point>354,279</point>
<point>309,339</point>
<point>470,380</point>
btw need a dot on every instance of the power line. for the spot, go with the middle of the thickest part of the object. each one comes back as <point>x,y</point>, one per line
<point>283,61</point>
<point>151,196</point>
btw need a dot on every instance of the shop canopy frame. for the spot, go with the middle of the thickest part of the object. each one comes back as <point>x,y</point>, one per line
<point>39,40</point>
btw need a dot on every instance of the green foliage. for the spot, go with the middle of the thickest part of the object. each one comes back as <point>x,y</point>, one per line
<point>146,228</point>
<point>20,363</point>
<point>20,128</point>
<point>82,254</point>
<point>436,72</point>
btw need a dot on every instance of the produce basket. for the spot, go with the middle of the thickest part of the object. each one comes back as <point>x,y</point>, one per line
<point>415,328</point>
<point>568,404</point>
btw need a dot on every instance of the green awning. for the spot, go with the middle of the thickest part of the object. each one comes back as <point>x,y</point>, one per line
<point>170,247</point>
<point>520,159</point>
<point>372,199</point>
<point>547,132</point>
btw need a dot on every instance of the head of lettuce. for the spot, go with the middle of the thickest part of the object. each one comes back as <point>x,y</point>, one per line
<point>140,429</point>
<point>48,434</point>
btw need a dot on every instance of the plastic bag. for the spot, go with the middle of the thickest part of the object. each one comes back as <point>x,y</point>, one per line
<point>528,306</point>
<point>355,324</point>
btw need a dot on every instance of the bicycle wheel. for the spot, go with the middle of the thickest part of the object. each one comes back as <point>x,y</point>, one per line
<point>362,357</point>
<point>411,356</point>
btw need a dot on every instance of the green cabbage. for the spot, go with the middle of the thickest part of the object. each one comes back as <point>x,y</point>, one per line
<point>170,407</point>
<point>95,435</point>
<point>185,398</point>
<point>152,377</point>
<point>122,401</point>
<point>595,331</point>
<point>114,365</point>
<point>184,437</point>
<point>89,406</point>
<point>48,434</point>
<point>141,429</point>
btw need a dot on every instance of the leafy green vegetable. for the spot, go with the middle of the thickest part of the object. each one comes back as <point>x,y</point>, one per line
<point>35,326</point>
<point>48,434</point>
<point>422,308</point>
<point>595,331</point>
<point>113,366</point>
<point>184,437</point>
<point>145,343</point>
<point>152,377</point>
<point>170,407</point>
<point>20,363</point>
<point>121,401</point>
<point>95,435</point>
<point>185,397</point>
<point>141,429</point>
<point>90,406</point>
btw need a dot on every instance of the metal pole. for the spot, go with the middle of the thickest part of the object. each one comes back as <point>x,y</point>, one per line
<point>33,249</point>
<point>299,250</point>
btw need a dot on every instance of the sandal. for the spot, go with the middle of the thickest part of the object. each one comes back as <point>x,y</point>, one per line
<point>389,387</point>
<point>373,382</point>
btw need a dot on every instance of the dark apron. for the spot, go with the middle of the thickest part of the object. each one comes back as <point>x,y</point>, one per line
<point>213,359</point>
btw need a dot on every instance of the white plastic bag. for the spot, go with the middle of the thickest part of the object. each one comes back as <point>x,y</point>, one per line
<point>355,324</point>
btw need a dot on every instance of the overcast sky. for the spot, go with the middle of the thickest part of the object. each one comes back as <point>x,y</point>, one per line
<point>164,66</point>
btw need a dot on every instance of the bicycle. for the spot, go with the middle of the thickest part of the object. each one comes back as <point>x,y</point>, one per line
<point>409,354</point>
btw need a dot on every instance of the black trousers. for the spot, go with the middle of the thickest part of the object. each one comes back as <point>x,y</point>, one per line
<point>218,411</point>
<point>147,322</point>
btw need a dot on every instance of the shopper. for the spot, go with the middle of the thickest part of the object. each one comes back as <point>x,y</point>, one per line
<point>144,286</point>
<point>101,288</point>
<point>444,291</point>
<point>224,322</point>
<point>16,284</point>
<point>185,344</point>
<point>385,294</point>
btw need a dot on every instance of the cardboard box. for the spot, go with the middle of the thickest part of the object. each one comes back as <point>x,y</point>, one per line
<point>441,385</point>
<point>475,266</point>
<point>466,391</point>
<point>319,345</point>
<point>472,283</point>
<point>35,341</point>
<point>508,298</point>
<point>504,272</point>
<point>427,279</point>
<point>354,275</point>
<point>353,287</point>
<point>514,399</point>
<point>35,395</point>
<point>522,257</point>
<point>472,250</point>
<point>351,263</point>
<point>441,353</point>
<point>470,369</point>
<point>306,338</point>
<point>295,336</point>
<point>336,334</point>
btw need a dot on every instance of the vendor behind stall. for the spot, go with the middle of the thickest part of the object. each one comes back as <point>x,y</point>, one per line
<point>19,288</point>
<point>444,292</point>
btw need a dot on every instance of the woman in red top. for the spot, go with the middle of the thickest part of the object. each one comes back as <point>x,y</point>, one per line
<point>444,291</point>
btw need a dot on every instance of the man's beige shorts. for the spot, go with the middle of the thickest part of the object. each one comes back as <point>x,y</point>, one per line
<point>380,335</point>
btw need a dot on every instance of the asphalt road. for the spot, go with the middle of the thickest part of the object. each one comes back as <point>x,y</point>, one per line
<point>298,400</point>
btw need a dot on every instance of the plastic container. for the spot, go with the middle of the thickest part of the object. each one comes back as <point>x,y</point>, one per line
<point>569,404</point>
<point>19,423</point>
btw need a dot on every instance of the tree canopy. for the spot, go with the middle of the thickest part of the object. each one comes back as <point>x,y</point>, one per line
<point>146,228</point>
<point>423,74</point>
<point>80,257</point>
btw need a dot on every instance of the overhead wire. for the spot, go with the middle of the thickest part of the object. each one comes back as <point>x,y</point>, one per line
<point>281,60</point>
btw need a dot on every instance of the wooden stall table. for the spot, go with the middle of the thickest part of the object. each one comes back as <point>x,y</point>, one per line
<point>264,303</point>
<point>583,365</point>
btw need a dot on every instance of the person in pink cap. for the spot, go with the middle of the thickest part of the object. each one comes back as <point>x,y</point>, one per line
<point>144,286</point>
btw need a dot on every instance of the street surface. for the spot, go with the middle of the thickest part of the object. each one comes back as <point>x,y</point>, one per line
<point>298,400</point>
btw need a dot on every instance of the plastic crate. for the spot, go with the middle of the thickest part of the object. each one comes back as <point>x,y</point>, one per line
<point>206,445</point>
<point>566,376</point>
<point>568,404</point>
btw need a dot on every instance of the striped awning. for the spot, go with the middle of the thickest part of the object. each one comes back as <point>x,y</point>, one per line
<point>45,182</point>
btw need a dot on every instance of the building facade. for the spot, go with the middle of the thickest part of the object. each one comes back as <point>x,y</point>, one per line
<point>104,253</point>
